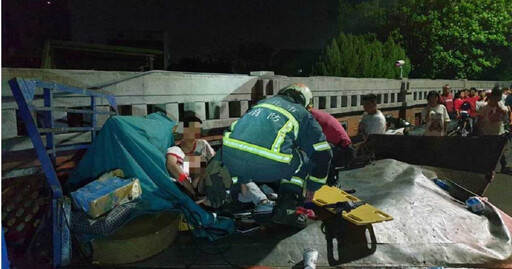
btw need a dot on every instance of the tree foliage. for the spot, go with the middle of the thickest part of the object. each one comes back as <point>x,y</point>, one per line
<point>454,39</point>
<point>444,39</point>
<point>361,56</point>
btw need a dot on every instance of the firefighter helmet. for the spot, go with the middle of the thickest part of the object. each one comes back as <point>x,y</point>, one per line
<point>298,92</point>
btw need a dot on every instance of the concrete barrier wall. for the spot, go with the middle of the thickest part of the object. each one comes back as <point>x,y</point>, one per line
<point>218,99</point>
<point>417,89</point>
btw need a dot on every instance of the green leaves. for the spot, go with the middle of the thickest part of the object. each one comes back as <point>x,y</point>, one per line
<point>443,38</point>
<point>361,56</point>
<point>454,39</point>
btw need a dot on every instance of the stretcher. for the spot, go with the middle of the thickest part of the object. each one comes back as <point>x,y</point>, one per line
<point>350,207</point>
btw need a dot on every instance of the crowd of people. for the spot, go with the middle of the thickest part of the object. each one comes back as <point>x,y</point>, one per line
<point>285,141</point>
<point>486,112</point>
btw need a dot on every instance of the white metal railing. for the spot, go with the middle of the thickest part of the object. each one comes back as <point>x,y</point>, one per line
<point>216,98</point>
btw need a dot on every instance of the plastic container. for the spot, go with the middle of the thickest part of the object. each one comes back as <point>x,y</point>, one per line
<point>310,258</point>
<point>441,183</point>
<point>476,205</point>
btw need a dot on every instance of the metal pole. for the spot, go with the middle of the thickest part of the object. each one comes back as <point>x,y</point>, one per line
<point>401,69</point>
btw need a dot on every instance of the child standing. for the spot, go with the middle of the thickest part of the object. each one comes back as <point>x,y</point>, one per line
<point>435,115</point>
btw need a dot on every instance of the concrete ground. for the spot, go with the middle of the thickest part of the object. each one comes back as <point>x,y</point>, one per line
<point>499,191</point>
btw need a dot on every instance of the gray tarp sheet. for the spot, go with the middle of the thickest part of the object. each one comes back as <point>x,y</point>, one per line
<point>430,229</point>
<point>430,226</point>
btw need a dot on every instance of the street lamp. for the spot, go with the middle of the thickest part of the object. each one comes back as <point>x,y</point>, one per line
<point>400,63</point>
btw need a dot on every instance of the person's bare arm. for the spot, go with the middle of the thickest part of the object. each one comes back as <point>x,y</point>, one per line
<point>173,167</point>
<point>175,171</point>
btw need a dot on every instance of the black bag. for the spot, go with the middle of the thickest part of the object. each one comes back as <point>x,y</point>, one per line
<point>466,105</point>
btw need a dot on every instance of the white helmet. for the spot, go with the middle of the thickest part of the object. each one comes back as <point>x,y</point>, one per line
<point>298,92</point>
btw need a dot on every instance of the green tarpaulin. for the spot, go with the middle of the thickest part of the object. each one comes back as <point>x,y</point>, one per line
<point>137,145</point>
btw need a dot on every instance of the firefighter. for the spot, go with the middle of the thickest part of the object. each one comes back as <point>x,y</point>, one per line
<point>278,140</point>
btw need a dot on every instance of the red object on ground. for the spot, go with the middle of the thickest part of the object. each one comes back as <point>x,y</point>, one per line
<point>308,212</point>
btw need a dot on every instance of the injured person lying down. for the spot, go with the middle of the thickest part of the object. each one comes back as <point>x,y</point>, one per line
<point>186,161</point>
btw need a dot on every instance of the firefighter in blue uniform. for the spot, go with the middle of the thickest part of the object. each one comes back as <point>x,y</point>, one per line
<point>279,140</point>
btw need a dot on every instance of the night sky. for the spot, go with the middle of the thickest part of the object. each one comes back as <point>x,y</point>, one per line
<point>193,28</point>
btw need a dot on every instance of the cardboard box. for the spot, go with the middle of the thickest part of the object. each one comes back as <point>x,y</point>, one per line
<point>105,193</point>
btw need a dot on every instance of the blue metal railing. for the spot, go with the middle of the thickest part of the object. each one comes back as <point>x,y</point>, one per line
<point>24,91</point>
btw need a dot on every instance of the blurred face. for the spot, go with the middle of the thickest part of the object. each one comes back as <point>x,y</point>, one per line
<point>472,93</point>
<point>481,94</point>
<point>462,94</point>
<point>192,132</point>
<point>370,106</point>
<point>447,90</point>
<point>432,100</point>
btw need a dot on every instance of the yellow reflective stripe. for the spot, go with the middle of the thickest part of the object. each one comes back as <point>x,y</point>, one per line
<point>287,127</point>
<point>297,180</point>
<point>294,180</point>
<point>300,164</point>
<point>254,149</point>
<point>318,180</point>
<point>286,113</point>
<point>235,180</point>
<point>321,146</point>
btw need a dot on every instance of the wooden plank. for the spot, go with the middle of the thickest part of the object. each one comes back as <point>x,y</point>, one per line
<point>27,159</point>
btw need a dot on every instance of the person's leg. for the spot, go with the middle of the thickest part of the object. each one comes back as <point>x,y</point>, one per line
<point>253,194</point>
<point>290,196</point>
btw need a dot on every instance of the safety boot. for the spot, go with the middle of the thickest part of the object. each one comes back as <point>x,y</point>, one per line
<point>285,210</point>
